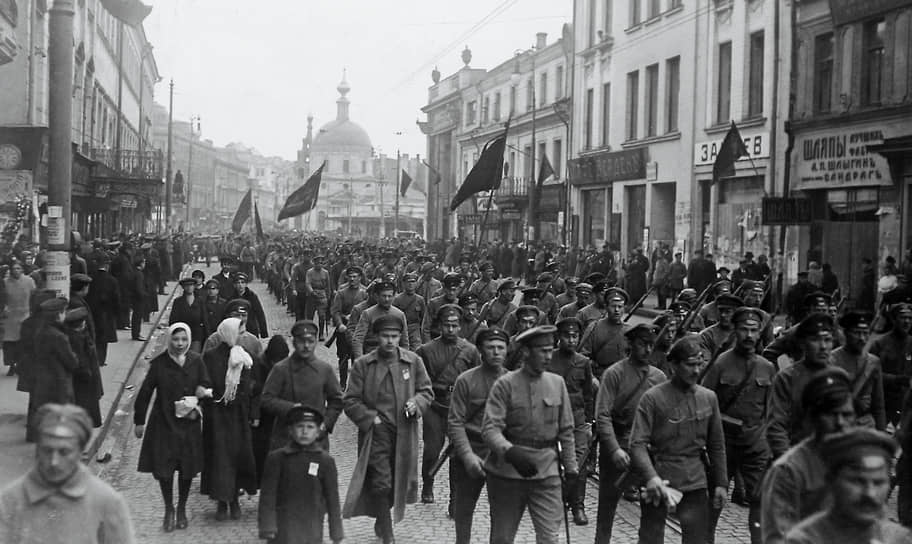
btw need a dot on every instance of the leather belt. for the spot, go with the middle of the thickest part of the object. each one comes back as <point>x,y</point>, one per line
<point>532,442</point>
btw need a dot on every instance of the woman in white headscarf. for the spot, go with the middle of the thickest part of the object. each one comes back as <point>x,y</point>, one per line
<point>172,440</point>
<point>227,443</point>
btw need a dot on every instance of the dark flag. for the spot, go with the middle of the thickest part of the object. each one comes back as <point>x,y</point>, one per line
<point>545,171</point>
<point>242,214</point>
<point>131,12</point>
<point>487,172</point>
<point>258,223</point>
<point>304,198</point>
<point>731,150</point>
<point>405,182</point>
<point>435,176</point>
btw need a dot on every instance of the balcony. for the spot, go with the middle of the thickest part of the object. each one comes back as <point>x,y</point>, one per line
<point>513,191</point>
<point>129,164</point>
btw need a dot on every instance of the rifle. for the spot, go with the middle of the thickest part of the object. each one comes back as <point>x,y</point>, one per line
<point>692,313</point>
<point>560,469</point>
<point>332,339</point>
<point>441,459</point>
<point>638,303</point>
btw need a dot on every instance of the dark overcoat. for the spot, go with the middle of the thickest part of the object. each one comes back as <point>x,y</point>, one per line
<point>194,315</point>
<point>87,386</point>
<point>104,302</point>
<point>54,365</point>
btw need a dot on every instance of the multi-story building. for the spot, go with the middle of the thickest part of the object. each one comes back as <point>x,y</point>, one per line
<point>117,175</point>
<point>231,184</point>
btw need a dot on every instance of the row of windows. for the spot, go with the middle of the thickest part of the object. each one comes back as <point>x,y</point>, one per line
<point>872,65</point>
<point>754,82</point>
<point>492,107</point>
<point>528,170</point>
<point>600,15</point>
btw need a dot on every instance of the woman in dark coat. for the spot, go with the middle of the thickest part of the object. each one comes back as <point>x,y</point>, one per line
<point>55,362</point>
<point>188,308</point>
<point>173,444</point>
<point>227,442</point>
<point>276,350</point>
<point>87,386</point>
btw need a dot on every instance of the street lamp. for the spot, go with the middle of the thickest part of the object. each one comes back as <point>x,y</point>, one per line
<point>533,222</point>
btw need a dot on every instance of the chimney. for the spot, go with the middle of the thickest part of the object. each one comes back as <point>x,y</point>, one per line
<point>541,39</point>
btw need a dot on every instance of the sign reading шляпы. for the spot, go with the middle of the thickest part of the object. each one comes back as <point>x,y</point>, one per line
<point>840,158</point>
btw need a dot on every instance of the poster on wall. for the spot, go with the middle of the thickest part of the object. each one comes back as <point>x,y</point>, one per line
<point>840,158</point>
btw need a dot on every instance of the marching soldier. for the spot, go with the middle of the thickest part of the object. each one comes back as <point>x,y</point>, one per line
<point>465,418</point>
<point>583,298</point>
<point>343,301</point>
<point>576,370</point>
<point>788,343</point>
<point>596,309</point>
<point>863,369</point>
<point>895,351</point>
<point>547,302</point>
<point>364,340</point>
<point>528,426</point>
<point>527,317</point>
<point>569,295</point>
<point>741,379</point>
<point>413,306</point>
<point>531,296</point>
<point>619,392</point>
<point>428,285</point>
<point>445,358</point>
<point>753,292</point>
<point>317,286</point>
<point>709,313</point>
<point>485,288</point>
<point>469,325</point>
<point>719,337</point>
<point>431,328</point>
<point>604,341</point>
<point>686,300</point>
<point>495,311</point>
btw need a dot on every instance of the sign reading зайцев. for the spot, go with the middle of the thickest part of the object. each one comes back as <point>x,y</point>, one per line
<point>840,158</point>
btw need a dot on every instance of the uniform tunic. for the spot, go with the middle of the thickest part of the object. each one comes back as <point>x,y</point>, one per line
<point>415,310</point>
<point>495,312</point>
<point>569,310</point>
<point>604,342</point>
<point>591,312</point>
<point>576,370</point>
<point>466,413</point>
<point>895,352</point>
<point>620,389</point>
<point>786,420</point>
<point>829,527</point>
<point>430,328</point>
<point>749,404</point>
<point>485,290</point>
<point>794,488</point>
<point>364,340</point>
<point>867,381</point>
<point>714,340</point>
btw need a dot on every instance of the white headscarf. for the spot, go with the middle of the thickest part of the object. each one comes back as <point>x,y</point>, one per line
<point>238,359</point>
<point>179,356</point>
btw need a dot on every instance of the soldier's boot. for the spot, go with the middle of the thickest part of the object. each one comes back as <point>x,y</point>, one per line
<point>578,500</point>
<point>383,527</point>
<point>579,514</point>
<point>427,492</point>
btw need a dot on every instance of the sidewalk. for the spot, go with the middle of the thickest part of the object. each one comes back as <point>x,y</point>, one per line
<point>17,455</point>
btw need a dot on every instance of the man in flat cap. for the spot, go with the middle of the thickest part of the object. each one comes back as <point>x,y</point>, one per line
<point>240,309</point>
<point>213,305</point>
<point>528,426</point>
<point>576,370</point>
<point>525,317</point>
<point>445,358</point>
<point>785,427</point>
<point>189,308</point>
<point>348,295</point>
<point>464,425</point>
<point>226,283</point>
<point>388,390</point>
<point>741,379</point>
<point>431,327</point>
<point>413,306</point>
<point>894,348</point>
<point>719,337</point>
<point>863,369</point>
<point>619,392</point>
<point>603,340</point>
<point>364,339</point>
<point>568,296</point>
<point>858,466</point>
<point>104,302</point>
<point>675,421</point>
<point>495,312</point>
<point>795,486</point>
<point>55,362</point>
<point>302,379</point>
<point>59,500</point>
<point>256,318</point>
<point>485,287</point>
<point>80,285</point>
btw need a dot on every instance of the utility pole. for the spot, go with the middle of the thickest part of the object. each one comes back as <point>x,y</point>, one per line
<point>60,120</point>
<point>168,170</point>
<point>398,189</point>
<point>189,179</point>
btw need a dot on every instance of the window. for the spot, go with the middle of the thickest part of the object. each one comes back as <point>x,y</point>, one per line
<point>672,4</point>
<point>635,15</point>
<point>872,61</point>
<point>363,167</point>
<point>559,82</point>
<point>823,72</point>
<point>755,83</point>
<point>557,158</point>
<point>672,89</point>
<point>497,106</point>
<point>587,135</point>
<point>345,166</point>
<point>527,159</point>
<point>543,89</point>
<point>542,151</point>
<point>512,165</point>
<point>652,100</point>
<point>633,89</point>
<point>655,8</point>
<point>485,109</point>
<point>606,113</point>
<point>512,99</point>
<point>471,112</point>
<point>723,107</point>
<point>530,93</point>
<point>593,39</point>
<point>606,18</point>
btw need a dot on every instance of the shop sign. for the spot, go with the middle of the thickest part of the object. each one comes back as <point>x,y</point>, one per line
<point>609,166</point>
<point>786,211</point>
<point>470,219</point>
<point>757,148</point>
<point>510,215</point>
<point>849,11</point>
<point>840,158</point>
<point>128,202</point>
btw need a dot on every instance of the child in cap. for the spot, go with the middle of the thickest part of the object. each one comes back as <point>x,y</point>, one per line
<point>300,486</point>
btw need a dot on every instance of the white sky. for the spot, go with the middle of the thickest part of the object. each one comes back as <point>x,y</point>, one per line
<point>253,69</point>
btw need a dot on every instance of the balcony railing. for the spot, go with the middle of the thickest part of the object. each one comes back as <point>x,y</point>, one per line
<point>130,163</point>
<point>513,186</point>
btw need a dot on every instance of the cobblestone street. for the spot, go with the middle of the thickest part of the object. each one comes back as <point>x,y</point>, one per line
<point>423,523</point>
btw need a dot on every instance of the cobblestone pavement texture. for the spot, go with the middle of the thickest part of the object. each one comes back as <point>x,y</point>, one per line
<point>423,523</point>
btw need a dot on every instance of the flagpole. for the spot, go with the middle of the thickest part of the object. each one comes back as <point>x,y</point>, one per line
<point>484,220</point>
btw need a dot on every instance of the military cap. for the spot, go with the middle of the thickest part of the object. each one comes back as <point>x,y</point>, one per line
<point>859,447</point>
<point>680,306</point>
<point>583,287</point>
<point>827,389</point>
<point>64,420</point>
<point>198,273</point>
<point>465,257</point>
<point>354,270</point>
<point>601,286</point>
<point>300,414</point>
<point>753,285</point>
<point>900,308</point>
<point>662,319</point>
<point>319,257</point>
<point>729,301</point>
<point>448,310</point>
<point>745,313</point>
<point>532,292</point>
<point>188,281</point>
<point>687,295</point>
<point>615,293</point>
<point>56,305</point>
<point>238,305</point>
<point>641,332</point>
<point>452,279</point>
<point>507,283</point>
<point>467,298</point>
<point>239,276</point>
<point>855,320</point>
<point>722,286</point>
<point>427,267</point>
<point>572,281</point>
<point>387,322</point>
<point>594,278</point>
<point>813,325</point>
<point>211,282</point>
<point>541,335</point>
<point>76,314</point>
<point>226,259</point>
<point>410,276</point>
<point>545,278</point>
<point>384,285</point>
<point>526,309</point>
<point>304,326</point>
<point>78,281</point>
<point>723,270</point>
<point>685,348</point>
<point>552,266</point>
<point>815,298</point>
<point>494,333</point>
<point>568,323</point>
<point>486,266</point>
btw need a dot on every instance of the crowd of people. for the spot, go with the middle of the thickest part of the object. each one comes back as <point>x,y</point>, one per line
<point>525,376</point>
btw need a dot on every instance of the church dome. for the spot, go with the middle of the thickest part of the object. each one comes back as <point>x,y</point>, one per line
<point>342,133</point>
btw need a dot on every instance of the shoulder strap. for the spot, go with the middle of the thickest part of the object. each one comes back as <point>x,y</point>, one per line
<point>633,392</point>
<point>860,381</point>
<point>741,386</point>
